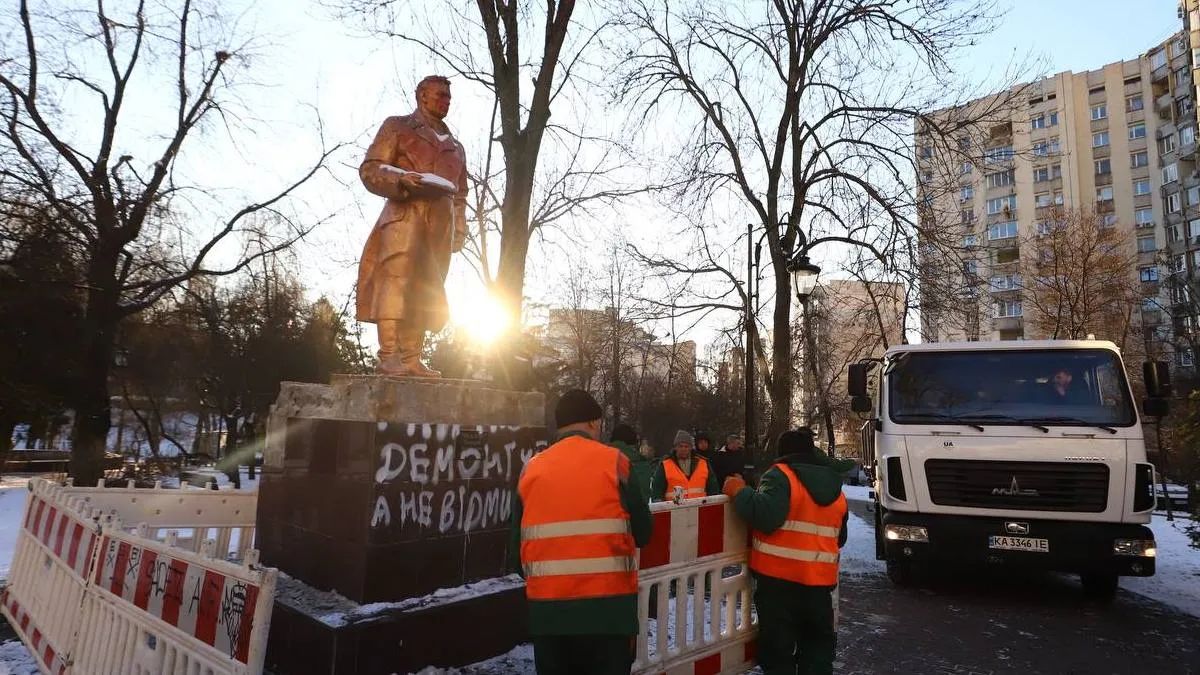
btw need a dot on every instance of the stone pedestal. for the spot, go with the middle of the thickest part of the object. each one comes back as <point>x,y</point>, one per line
<point>387,489</point>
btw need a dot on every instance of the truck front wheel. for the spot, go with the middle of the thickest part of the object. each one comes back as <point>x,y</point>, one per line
<point>1100,586</point>
<point>901,573</point>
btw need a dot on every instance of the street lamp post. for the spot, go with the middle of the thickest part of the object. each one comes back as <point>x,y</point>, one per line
<point>804,282</point>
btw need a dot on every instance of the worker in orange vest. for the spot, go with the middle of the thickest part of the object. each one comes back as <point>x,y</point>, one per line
<point>578,521</point>
<point>683,468</point>
<point>798,519</point>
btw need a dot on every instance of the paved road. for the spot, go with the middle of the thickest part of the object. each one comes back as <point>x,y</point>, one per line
<point>981,623</point>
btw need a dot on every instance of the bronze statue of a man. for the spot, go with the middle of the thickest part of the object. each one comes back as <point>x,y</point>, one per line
<point>420,169</point>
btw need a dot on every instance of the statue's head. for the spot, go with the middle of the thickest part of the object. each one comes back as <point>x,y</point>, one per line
<point>433,96</point>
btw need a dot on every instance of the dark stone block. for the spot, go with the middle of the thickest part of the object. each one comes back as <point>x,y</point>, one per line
<point>400,641</point>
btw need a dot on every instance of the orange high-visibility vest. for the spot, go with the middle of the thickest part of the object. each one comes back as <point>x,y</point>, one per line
<point>575,536</point>
<point>693,486</point>
<point>804,549</point>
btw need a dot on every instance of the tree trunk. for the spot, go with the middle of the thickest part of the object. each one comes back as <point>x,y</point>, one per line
<point>229,454</point>
<point>90,399</point>
<point>781,355</point>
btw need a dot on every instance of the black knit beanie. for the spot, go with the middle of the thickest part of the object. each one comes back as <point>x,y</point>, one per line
<point>625,434</point>
<point>797,442</point>
<point>576,406</point>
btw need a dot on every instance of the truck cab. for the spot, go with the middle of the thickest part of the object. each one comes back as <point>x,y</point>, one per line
<point>1019,454</point>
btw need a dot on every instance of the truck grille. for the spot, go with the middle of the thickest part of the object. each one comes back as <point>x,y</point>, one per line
<point>1027,486</point>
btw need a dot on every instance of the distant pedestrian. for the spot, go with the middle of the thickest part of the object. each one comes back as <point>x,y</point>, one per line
<point>641,467</point>
<point>798,519</point>
<point>729,459</point>
<point>685,469</point>
<point>647,450</point>
<point>578,520</point>
<point>703,445</point>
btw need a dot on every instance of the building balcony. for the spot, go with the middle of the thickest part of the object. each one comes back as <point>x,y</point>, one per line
<point>1008,323</point>
<point>1048,185</point>
<point>1164,102</point>
<point>1142,201</point>
<point>1106,206</point>
<point>1102,151</point>
<point>1103,179</point>
<point>1139,172</point>
<point>1135,115</point>
<point>1100,125</point>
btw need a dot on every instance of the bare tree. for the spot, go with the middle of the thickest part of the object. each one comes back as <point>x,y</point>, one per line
<point>76,141</point>
<point>801,115</point>
<point>1081,279</point>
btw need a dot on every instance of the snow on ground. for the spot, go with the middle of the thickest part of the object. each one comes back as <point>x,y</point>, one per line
<point>12,505</point>
<point>1176,580</point>
<point>857,493</point>
<point>15,659</point>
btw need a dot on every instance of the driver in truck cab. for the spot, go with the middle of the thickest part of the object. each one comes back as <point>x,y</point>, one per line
<point>1059,389</point>
<point>798,517</point>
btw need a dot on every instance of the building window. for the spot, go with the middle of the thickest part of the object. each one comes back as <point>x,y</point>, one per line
<point>1008,308</point>
<point>926,176</point>
<point>1158,59</point>
<point>1148,273</point>
<point>970,267</point>
<point>1134,103</point>
<point>1001,179</point>
<point>1177,264</point>
<point>1137,131</point>
<point>1194,230</point>
<point>1141,187</point>
<point>1187,135</point>
<point>970,240</point>
<point>1178,48</point>
<point>1005,230</point>
<point>1110,219</point>
<point>1003,153</point>
<point>1043,200</point>
<point>926,151</point>
<point>1041,174</point>
<point>1172,233</point>
<point>1166,145</point>
<point>1183,106</point>
<point>1139,159</point>
<point>1181,77</point>
<point>1143,217</point>
<point>1043,228</point>
<point>1170,173</point>
<point>1005,282</point>
<point>966,169</point>
<point>1145,244</point>
<point>964,143</point>
<point>1038,122</point>
<point>1104,194</point>
<point>1002,204</point>
<point>1173,205</point>
<point>1100,139</point>
<point>1193,196</point>
<point>967,215</point>
<point>1099,112</point>
<point>1103,166</point>
<point>1058,198</point>
<point>967,193</point>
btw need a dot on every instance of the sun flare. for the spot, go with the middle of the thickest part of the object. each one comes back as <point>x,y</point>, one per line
<point>484,319</point>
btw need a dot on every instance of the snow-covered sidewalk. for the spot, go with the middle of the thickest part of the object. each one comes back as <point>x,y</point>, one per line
<point>1176,580</point>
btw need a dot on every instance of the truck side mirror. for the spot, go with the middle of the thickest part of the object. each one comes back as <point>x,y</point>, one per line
<point>856,384</point>
<point>860,404</point>
<point>1151,407</point>
<point>1157,377</point>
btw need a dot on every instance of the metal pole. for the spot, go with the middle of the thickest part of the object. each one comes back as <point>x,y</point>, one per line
<point>751,434</point>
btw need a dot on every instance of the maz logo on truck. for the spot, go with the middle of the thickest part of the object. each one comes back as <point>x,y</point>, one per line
<point>1014,490</point>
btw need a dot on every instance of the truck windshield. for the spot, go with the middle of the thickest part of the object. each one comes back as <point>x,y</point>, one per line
<point>1084,387</point>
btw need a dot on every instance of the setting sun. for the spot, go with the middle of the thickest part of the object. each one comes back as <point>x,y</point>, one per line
<point>483,318</point>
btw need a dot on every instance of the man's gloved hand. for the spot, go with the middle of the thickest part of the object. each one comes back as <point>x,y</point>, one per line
<point>733,485</point>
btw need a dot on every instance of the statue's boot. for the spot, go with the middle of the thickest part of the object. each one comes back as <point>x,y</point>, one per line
<point>411,345</point>
<point>391,358</point>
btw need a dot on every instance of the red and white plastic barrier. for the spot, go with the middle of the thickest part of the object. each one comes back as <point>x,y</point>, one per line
<point>695,570</point>
<point>87,595</point>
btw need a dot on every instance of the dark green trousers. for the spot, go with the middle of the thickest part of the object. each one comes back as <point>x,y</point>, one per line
<point>795,627</point>
<point>583,654</point>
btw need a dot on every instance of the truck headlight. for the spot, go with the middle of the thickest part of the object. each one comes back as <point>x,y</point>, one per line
<point>1142,548</point>
<point>907,533</point>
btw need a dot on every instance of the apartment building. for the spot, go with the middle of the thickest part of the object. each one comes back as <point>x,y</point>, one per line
<point>1121,139</point>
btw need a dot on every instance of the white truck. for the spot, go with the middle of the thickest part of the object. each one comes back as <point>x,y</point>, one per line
<point>1022,453</point>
